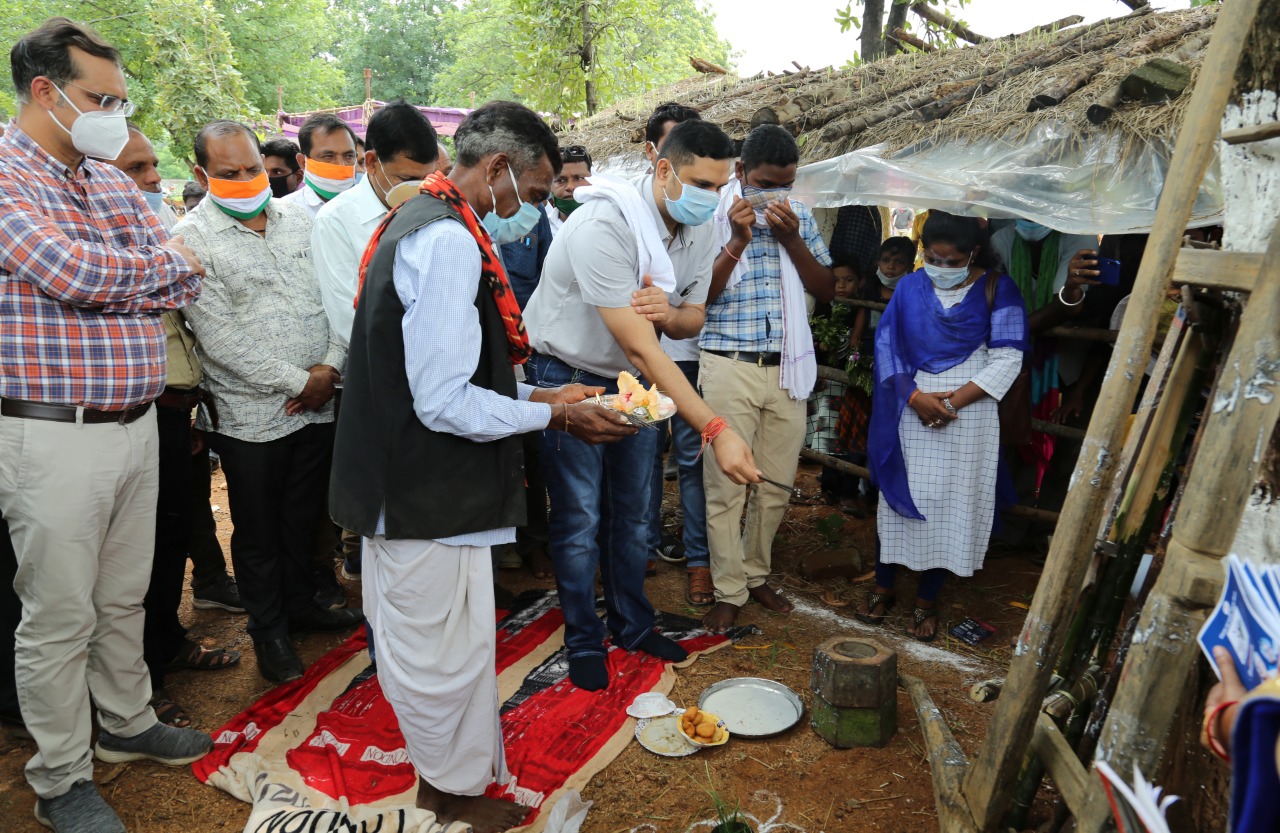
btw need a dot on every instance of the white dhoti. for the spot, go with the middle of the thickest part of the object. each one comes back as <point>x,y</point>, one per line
<point>430,609</point>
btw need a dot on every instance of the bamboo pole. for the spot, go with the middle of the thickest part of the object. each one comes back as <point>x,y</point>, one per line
<point>989,781</point>
<point>1241,421</point>
<point>947,761</point>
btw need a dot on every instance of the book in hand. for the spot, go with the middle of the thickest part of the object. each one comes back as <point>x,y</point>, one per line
<point>1246,620</point>
<point>1138,809</point>
<point>972,631</point>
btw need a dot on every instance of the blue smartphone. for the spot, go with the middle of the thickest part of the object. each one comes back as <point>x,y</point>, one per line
<point>1110,271</point>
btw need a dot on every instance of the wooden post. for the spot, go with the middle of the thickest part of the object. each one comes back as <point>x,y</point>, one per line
<point>279,99</point>
<point>1241,420</point>
<point>989,782</point>
<point>368,83</point>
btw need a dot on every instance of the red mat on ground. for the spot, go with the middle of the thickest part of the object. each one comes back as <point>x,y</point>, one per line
<point>326,750</point>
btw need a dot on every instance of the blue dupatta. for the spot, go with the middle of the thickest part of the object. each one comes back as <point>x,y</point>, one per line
<point>916,333</point>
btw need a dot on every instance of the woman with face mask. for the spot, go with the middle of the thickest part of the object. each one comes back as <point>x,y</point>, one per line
<point>948,347</point>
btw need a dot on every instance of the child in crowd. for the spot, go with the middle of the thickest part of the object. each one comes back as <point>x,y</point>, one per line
<point>832,335</point>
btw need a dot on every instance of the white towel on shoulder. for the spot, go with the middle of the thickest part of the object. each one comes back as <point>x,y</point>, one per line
<point>653,257</point>
<point>799,361</point>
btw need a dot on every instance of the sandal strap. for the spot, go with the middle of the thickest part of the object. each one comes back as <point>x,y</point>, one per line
<point>875,599</point>
<point>922,613</point>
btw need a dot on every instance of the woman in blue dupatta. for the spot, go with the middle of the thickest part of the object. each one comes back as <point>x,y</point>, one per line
<point>1242,728</point>
<point>948,347</point>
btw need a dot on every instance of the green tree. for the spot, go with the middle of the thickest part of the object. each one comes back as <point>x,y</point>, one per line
<point>573,57</point>
<point>285,43</point>
<point>873,26</point>
<point>404,43</point>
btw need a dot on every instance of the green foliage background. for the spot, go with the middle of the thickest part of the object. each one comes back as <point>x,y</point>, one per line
<point>190,61</point>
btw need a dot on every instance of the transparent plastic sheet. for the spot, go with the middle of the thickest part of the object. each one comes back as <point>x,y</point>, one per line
<point>1055,176</point>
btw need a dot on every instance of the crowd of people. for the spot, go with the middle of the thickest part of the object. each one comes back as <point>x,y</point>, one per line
<point>397,357</point>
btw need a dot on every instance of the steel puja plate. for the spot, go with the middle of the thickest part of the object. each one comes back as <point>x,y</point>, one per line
<point>752,707</point>
<point>666,407</point>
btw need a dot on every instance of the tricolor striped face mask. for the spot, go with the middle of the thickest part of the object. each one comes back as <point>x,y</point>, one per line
<point>328,180</point>
<point>242,199</point>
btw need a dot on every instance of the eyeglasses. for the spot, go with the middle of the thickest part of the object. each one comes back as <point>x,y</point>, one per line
<point>109,103</point>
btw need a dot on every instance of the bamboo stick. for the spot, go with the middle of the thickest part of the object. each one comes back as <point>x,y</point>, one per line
<point>947,760</point>
<point>989,781</point>
<point>1252,133</point>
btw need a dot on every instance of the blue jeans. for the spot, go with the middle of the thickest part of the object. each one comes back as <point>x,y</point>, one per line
<point>599,498</point>
<point>685,445</point>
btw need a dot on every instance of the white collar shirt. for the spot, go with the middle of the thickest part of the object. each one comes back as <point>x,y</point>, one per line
<point>342,230</point>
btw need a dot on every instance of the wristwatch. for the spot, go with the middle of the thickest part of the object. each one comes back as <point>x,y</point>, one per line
<point>951,409</point>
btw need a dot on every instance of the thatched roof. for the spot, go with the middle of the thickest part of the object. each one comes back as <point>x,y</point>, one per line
<point>971,93</point>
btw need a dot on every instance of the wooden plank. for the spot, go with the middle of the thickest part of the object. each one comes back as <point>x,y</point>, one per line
<point>1252,133</point>
<point>989,783</point>
<point>1243,414</point>
<point>1069,776</point>
<point>1216,269</point>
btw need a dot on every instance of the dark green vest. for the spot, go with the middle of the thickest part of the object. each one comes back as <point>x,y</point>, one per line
<point>432,485</point>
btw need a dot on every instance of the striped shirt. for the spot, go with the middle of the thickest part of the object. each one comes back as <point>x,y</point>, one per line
<point>83,282</point>
<point>749,316</point>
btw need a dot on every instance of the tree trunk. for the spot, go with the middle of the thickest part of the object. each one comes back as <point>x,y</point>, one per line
<point>872,30</point>
<point>588,59</point>
<point>897,20</point>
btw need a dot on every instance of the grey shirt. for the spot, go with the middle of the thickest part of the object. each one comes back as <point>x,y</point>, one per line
<point>259,322</point>
<point>593,262</point>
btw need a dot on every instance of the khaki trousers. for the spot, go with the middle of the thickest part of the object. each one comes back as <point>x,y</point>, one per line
<point>80,501</point>
<point>773,424</point>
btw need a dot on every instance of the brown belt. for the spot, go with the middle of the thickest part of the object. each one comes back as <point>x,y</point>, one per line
<point>24,409</point>
<point>179,400</point>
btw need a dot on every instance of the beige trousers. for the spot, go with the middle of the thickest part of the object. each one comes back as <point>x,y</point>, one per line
<point>80,501</point>
<point>773,424</point>
<point>430,609</point>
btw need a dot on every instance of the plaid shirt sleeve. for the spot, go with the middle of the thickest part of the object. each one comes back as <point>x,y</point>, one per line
<point>86,274</point>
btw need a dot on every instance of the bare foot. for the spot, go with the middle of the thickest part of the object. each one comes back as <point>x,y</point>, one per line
<point>767,596</point>
<point>485,815</point>
<point>721,617</point>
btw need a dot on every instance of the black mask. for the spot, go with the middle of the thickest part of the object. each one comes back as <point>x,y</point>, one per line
<point>280,186</point>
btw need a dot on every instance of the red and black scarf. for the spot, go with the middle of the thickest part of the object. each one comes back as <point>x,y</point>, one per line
<point>491,272</point>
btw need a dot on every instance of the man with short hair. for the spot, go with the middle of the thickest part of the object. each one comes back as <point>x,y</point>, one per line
<point>272,364</point>
<point>444,164</point>
<point>402,148</point>
<point>608,289</point>
<point>85,276</point>
<point>427,465</point>
<point>164,639</point>
<point>664,117</point>
<point>758,366</point>
<point>328,161</point>
<point>192,194</point>
<point>284,171</point>
<point>575,173</point>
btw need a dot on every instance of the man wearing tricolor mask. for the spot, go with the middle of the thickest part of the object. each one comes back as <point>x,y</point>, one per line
<point>328,161</point>
<point>271,362</point>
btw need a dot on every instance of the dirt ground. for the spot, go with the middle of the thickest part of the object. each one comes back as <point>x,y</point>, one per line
<point>795,781</point>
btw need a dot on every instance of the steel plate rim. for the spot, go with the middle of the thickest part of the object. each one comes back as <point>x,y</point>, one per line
<point>781,689</point>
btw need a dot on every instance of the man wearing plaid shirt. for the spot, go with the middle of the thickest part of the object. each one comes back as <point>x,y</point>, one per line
<point>85,275</point>
<point>756,351</point>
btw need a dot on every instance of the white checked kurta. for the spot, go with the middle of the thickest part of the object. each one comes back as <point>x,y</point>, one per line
<point>951,471</point>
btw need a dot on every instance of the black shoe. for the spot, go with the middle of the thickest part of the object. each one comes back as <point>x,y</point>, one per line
<point>277,661</point>
<point>329,594</point>
<point>221,594</point>
<point>322,619</point>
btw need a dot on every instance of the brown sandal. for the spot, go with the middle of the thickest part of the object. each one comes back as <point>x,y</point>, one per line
<point>168,712</point>
<point>701,592</point>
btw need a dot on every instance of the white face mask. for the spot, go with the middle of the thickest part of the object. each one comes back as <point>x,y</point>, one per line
<point>945,277</point>
<point>97,133</point>
<point>888,282</point>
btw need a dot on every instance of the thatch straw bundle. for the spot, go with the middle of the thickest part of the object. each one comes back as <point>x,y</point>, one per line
<point>970,94</point>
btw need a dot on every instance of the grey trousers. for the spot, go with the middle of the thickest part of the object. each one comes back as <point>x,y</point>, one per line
<point>80,501</point>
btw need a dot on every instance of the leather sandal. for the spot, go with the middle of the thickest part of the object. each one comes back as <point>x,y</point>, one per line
<point>169,712</point>
<point>195,657</point>
<point>919,616</point>
<point>884,601</point>
<point>701,592</point>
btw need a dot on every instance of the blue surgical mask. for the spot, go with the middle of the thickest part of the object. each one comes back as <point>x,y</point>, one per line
<point>1028,230</point>
<point>945,277</point>
<point>155,199</point>
<point>505,230</point>
<point>695,205</point>
<point>359,176</point>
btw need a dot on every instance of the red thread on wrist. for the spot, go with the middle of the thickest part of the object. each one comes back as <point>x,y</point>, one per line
<point>710,431</point>
<point>912,397</point>
<point>732,255</point>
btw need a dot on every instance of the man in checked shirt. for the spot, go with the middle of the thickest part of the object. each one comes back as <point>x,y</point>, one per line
<point>85,275</point>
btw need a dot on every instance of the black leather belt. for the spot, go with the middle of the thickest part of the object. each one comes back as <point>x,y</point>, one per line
<point>24,409</point>
<point>178,399</point>
<point>758,359</point>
